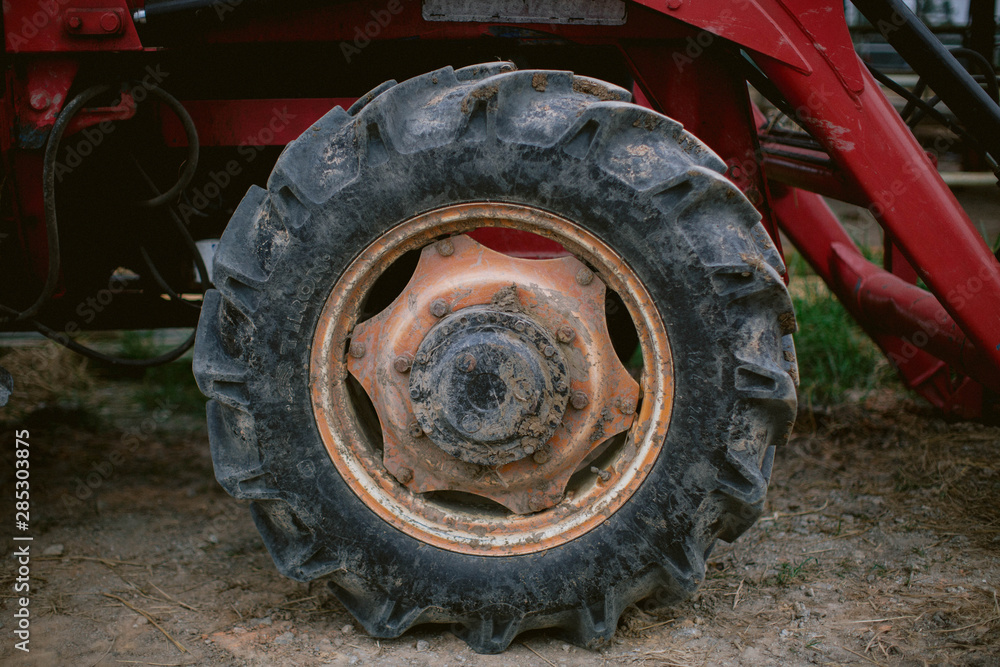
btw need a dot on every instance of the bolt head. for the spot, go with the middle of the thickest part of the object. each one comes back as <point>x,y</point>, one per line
<point>466,363</point>
<point>471,423</point>
<point>358,349</point>
<point>439,308</point>
<point>626,406</point>
<point>549,351</point>
<point>74,22</point>
<point>403,475</point>
<point>445,248</point>
<point>530,444</point>
<point>414,430</point>
<point>39,101</point>
<point>566,334</point>
<point>110,22</point>
<point>403,363</point>
<point>584,276</point>
<point>579,400</point>
<point>542,455</point>
<point>674,4</point>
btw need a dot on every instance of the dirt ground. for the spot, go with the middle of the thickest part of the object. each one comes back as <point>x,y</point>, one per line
<point>880,545</point>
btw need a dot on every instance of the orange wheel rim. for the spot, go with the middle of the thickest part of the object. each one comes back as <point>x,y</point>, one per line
<point>538,493</point>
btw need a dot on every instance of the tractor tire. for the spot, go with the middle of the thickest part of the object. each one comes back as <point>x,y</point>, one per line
<point>644,212</point>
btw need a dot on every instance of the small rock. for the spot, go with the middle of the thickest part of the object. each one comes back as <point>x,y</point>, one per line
<point>347,629</point>
<point>286,638</point>
<point>54,550</point>
<point>810,593</point>
<point>422,645</point>
<point>142,620</point>
<point>784,633</point>
<point>565,648</point>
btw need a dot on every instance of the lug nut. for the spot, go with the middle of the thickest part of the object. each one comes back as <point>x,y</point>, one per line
<point>566,334</point>
<point>466,363</point>
<point>414,430</point>
<point>358,349</point>
<point>403,363</point>
<point>542,455</point>
<point>404,476</point>
<point>579,400</point>
<point>549,351</point>
<point>439,308</point>
<point>626,406</point>
<point>584,276</point>
<point>445,248</point>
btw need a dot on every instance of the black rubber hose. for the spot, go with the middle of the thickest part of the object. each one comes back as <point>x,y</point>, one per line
<point>49,199</point>
<point>187,174</point>
<point>91,353</point>
<point>158,199</point>
<point>162,282</point>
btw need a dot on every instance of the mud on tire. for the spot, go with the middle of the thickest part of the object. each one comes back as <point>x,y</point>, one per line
<point>571,146</point>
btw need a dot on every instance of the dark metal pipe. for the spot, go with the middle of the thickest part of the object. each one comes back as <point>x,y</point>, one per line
<point>154,9</point>
<point>938,67</point>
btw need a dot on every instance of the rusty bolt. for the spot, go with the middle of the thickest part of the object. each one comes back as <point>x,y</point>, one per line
<point>74,22</point>
<point>584,276</point>
<point>549,351</point>
<point>414,392</point>
<point>519,327</point>
<point>466,363</point>
<point>579,400</point>
<point>541,456</point>
<point>439,308</point>
<point>536,504</point>
<point>403,363</point>
<point>404,476</point>
<point>110,22</point>
<point>445,248</point>
<point>603,475</point>
<point>566,334</point>
<point>358,349</point>
<point>414,430</point>
<point>626,406</point>
<point>559,385</point>
<point>530,444</point>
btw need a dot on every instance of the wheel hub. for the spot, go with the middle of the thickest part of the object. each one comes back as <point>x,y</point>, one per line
<point>473,366</point>
<point>487,386</point>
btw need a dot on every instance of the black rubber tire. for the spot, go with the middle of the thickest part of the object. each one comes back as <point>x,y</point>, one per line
<point>558,142</point>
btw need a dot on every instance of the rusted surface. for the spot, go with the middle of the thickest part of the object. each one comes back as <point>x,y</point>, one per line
<point>395,477</point>
<point>547,292</point>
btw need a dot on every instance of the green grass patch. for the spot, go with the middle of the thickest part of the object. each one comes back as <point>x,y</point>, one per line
<point>835,355</point>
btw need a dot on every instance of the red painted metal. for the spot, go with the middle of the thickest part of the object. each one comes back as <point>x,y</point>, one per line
<point>51,26</point>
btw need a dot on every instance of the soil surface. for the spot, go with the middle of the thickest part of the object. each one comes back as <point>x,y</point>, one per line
<point>880,545</point>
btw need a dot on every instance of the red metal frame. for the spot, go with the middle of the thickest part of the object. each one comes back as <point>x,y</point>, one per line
<point>681,56</point>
